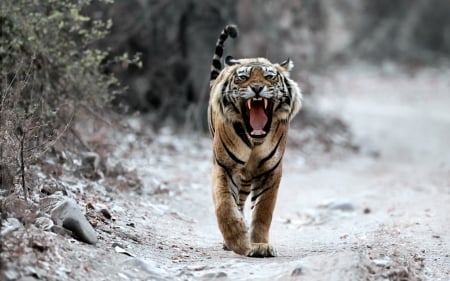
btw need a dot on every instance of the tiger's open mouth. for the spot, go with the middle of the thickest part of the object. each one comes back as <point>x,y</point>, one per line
<point>257,116</point>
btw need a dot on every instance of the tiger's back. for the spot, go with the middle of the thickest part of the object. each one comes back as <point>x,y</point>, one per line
<point>251,104</point>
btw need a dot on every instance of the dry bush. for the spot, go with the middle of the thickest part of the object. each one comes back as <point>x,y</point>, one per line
<point>49,69</point>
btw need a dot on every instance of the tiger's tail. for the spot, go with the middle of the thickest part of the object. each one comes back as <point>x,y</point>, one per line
<point>216,66</point>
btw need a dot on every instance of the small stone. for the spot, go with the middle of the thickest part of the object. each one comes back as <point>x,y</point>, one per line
<point>214,275</point>
<point>44,223</point>
<point>39,246</point>
<point>9,225</point>
<point>9,274</point>
<point>90,165</point>
<point>197,267</point>
<point>121,250</point>
<point>68,214</point>
<point>382,262</point>
<point>343,206</point>
<point>366,211</point>
<point>91,160</point>
<point>106,213</point>
<point>297,271</point>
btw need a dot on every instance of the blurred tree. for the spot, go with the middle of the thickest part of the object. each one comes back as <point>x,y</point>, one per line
<point>404,30</point>
<point>176,41</point>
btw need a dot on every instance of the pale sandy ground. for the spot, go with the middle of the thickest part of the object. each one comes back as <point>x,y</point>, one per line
<point>380,214</point>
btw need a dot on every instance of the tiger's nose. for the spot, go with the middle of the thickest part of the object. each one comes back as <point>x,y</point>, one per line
<point>257,88</point>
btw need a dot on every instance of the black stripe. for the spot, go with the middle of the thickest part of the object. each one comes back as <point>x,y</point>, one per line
<point>226,171</point>
<point>271,153</point>
<point>254,197</point>
<point>286,83</point>
<point>246,182</point>
<point>216,63</point>
<point>219,51</point>
<point>289,95</point>
<point>268,171</point>
<point>239,130</point>
<point>214,74</point>
<point>228,98</point>
<point>232,156</point>
<point>225,101</point>
<point>224,88</point>
<point>279,106</point>
<point>235,107</point>
<point>223,36</point>
<point>287,100</point>
<point>221,108</point>
<point>278,125</point>
<point>246,193</point>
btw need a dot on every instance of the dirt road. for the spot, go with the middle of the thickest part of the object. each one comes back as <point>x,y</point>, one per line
<point>380,214</point>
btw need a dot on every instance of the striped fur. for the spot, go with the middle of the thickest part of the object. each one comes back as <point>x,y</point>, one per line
<point>250,106</point>
<point>216,66</point>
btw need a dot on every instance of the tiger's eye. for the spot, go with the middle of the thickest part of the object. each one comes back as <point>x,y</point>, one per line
<point>242,77</point>
<point>270,76</point>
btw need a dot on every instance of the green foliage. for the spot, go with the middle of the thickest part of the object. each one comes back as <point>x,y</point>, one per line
<point>49,68</point>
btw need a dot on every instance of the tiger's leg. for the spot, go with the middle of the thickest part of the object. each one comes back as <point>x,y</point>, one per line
<point>263,203</point>
<point>229,218</point>
<point>243,194</point>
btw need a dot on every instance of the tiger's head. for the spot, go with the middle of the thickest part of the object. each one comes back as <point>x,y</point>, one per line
<point>257,93</point>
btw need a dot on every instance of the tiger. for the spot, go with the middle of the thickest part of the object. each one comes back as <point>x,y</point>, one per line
<point>251,104</point>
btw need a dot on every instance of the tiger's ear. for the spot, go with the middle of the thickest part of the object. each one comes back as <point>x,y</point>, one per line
<point>229,60</point>
<point>287,65</point>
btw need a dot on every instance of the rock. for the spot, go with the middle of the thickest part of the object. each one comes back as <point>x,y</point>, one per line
<point>342,206</point>
<point>27,278</point>
<point>44,223</point>
<point>68,214</point>
<point>106,213</point>
<point>297,271</point>
<point>50,188</point>
<point>214,275</point>
<point>9,225</point>
<point>91,160</point>
<point>120,249</point>
<point>382,262</point>
<point>91,165</point>
<point>9,274</point>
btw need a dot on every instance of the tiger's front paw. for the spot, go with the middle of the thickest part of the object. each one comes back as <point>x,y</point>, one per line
<point>262,250</point>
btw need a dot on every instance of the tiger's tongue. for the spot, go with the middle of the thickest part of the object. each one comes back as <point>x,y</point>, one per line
<point>258,117</point>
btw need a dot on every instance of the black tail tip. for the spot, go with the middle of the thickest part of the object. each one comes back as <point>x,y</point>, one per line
<point>232,30</point>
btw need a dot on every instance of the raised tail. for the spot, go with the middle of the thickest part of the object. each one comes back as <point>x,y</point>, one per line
<point>216,66</point>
